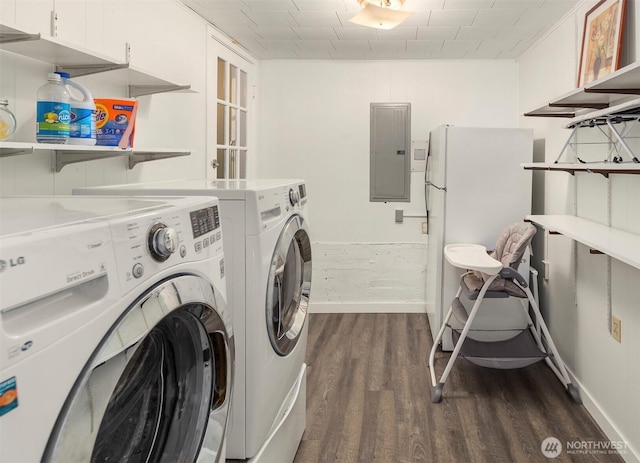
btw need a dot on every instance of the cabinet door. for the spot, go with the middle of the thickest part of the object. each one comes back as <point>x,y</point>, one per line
<point>33,15</point>
<point>97,25</point>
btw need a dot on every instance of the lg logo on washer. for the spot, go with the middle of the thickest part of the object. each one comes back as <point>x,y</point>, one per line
<point>12,263</point>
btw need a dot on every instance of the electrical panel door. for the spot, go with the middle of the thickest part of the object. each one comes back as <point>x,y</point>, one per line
<point>390,152</point>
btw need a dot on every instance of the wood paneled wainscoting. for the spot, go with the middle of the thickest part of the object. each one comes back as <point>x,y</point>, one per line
<point>368,401</point>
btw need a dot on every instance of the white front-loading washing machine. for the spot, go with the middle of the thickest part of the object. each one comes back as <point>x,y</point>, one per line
<point>115,341</point>
<point>268,252</point>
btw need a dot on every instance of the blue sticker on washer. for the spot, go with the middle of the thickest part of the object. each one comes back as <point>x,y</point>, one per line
<point>8,395</point>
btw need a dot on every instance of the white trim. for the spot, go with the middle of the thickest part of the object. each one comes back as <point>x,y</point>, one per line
<point>602,419</point>
<point>367,307</point>
<point>572,12</point>
<point>248,57</point>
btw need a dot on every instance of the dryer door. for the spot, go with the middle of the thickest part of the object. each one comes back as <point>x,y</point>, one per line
<point>157,388</point>
<point>289,286</point>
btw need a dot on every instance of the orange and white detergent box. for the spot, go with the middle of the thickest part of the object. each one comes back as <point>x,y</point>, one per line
<point>115,121</point>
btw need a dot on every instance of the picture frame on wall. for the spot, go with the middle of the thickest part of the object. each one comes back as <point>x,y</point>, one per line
<point>601,40</point>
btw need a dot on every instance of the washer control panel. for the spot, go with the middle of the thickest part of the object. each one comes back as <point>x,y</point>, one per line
<point>150,243</point>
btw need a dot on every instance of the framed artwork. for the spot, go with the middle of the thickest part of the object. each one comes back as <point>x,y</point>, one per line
<point>601,40</point>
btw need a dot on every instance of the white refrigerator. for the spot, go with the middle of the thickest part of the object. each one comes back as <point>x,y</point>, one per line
<point>474,188</point>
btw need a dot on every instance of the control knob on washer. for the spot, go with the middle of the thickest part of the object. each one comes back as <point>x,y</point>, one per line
<point>162,241</point>
<point>294,197</point>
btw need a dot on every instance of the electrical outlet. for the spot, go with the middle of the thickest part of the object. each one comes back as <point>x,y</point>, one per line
<point>399,215</point>
<point>423,228</point>
<point>616,328</point>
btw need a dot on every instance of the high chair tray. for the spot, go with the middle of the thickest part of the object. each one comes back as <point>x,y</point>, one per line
<point>472,257</point>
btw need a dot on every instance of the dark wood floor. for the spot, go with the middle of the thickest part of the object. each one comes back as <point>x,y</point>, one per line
<point>368,401</point>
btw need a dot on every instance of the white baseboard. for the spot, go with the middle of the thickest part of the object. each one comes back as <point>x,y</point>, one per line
<point>629,454</point>
<point>367,307</point>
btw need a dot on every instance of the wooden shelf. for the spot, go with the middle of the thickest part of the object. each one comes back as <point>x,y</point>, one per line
<point>552,111</point>
<point>619,244</point>
<point>597,95</point>
<point>78,61</point>
<point>71,154</point>
<point>603,168</point>
<point>625,81</point>
<point>579,99</point>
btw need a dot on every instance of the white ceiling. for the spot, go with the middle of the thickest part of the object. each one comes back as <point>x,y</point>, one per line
<point>438,29</point>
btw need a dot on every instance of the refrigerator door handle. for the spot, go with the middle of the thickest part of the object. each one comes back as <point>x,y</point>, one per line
<point>441,188</point>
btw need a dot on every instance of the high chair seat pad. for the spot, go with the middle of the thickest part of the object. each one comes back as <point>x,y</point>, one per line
<point>497,289</point>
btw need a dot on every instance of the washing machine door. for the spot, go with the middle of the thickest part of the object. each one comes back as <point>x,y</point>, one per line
<point>289,286</point>
<point>157,389</point>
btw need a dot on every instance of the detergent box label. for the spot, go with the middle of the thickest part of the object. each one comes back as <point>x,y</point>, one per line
<point>8,395</point>
<point>115,121</point>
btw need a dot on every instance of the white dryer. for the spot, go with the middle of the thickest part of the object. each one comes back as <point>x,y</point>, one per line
<point>115,342</point>
<point>269,263</point>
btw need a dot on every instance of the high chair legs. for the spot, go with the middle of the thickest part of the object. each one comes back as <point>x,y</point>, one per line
<point>538,330</point>
<point>436,387</point>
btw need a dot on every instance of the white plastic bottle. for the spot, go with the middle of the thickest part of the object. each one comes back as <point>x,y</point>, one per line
<point>83,112</point>
<point>53,112</point>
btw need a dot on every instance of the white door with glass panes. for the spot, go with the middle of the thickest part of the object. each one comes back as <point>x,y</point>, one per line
<point>230,103</point>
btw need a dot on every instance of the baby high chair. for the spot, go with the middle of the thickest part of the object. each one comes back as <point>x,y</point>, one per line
<point>490,276</point>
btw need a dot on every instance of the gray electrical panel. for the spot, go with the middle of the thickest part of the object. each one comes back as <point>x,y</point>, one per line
<point>390,157</point>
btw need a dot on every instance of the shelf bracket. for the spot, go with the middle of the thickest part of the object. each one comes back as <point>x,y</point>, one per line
<point>77,70</point>
<point>5,151</point>
<point>141,90</point>
<point>137,157</point>
<point>10,37</point>
<point>65,157</point>
<point>614,91</point>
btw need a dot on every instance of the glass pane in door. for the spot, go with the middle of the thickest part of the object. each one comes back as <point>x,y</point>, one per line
<point>243,128</point>
<point>222,78</point>
<point>233,84</point>
<point>242,163</point>
<point>233,127</point>
<point>221,163</point>
<point>232,163</point>
<point>221,123</point>
<point>243,89</point>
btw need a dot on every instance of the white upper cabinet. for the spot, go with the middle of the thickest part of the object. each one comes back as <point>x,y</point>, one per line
<point>30,14</point>
<point>98,25</point>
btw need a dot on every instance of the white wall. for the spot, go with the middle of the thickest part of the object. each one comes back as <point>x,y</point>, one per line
<point>314,124</point>
<point>166,40</point>
<point>576,293</point>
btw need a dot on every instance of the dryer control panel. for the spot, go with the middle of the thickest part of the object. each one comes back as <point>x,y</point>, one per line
<point>271,204</point>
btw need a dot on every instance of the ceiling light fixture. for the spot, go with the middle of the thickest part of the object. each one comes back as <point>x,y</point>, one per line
<point>381,14</point>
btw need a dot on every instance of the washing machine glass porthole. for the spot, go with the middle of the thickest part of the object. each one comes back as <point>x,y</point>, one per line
<point>156,401</point>
<point>157,389</point>
<point>289,286</point>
